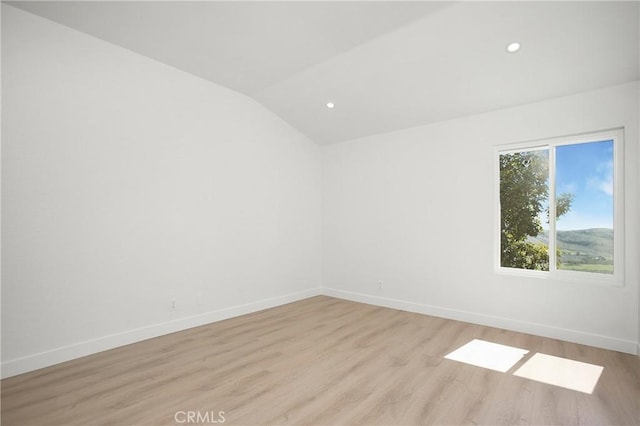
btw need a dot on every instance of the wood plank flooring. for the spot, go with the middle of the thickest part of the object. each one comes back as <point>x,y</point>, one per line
<point>320,361</point>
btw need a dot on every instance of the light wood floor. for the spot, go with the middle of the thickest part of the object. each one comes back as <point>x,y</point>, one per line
<point>320,361</point>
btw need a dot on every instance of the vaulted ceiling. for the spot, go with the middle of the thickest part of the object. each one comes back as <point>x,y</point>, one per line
<point>385,65</point>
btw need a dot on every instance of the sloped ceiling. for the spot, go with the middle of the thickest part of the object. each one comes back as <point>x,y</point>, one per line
<point>385,65</point>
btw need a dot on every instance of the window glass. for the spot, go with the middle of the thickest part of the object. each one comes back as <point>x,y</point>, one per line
<point>584,207</point>
<point>560,208</point>
<point>524,194</point>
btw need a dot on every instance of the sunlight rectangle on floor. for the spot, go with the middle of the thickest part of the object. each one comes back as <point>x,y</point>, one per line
<point>493,356</point>
<point>566,373</point>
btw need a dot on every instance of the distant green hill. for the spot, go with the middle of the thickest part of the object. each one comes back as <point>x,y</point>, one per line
<point>584,249</point>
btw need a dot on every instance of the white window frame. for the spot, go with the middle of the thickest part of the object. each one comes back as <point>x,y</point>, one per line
<point>615,279</point>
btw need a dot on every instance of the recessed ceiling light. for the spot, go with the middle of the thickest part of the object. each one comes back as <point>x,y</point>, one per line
<point>330,105</point>
<point>513,47</point>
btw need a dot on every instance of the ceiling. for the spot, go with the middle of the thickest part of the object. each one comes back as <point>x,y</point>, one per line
<point>385,65</point>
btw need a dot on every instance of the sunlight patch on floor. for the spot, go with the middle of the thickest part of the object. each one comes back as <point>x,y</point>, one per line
<point>569,374</point>
<point>488,355</point>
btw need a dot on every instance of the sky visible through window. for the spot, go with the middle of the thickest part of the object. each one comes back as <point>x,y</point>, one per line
<point>586,171</point>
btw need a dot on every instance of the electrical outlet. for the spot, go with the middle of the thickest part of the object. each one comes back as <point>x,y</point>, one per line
<point>172,305</point>
<point>380,285</point>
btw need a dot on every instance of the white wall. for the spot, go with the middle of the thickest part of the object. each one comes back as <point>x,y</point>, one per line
<point>415,208</point>
<point>126,184</point>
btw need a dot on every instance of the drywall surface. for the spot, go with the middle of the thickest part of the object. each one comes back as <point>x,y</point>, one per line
<point>415,209</point>
<point>140,200</point>
<point>128,187</point>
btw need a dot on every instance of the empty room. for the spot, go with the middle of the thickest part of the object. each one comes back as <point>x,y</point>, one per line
<point>320,213</point>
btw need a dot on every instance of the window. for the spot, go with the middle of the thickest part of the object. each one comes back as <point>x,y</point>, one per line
<point>560,207</point>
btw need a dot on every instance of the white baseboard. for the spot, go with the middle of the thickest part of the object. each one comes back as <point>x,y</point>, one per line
<point>568,335</point>
<point>66,353</point>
